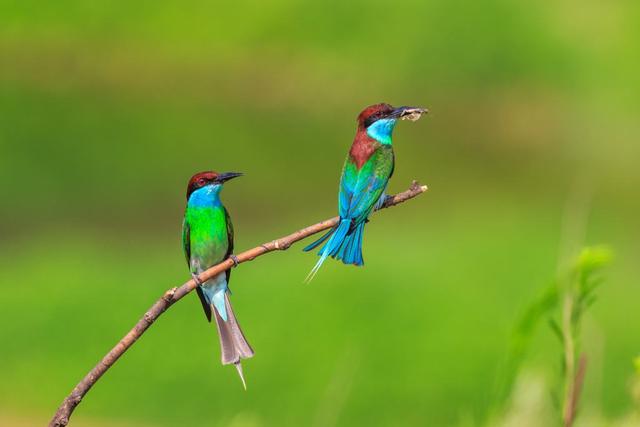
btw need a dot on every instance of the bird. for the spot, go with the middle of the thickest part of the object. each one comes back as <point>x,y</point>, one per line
<point>207,239</point>
<point>365,176</point>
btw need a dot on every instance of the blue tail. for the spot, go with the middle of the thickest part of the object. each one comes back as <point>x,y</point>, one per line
<point>350,251</point>
<point>214,291</point>
<point>344,243</point>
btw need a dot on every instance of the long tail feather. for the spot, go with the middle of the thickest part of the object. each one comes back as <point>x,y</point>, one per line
<point>238,366</point>
<point>233,344</point>
<point>319,241</point>
<point>331,247</point>
<point>316,267</point>
<point>350,251</point>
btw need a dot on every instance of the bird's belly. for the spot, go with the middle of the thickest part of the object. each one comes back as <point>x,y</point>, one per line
<point>209,242</point>
<point>207,254</point>
<point>217,283</point>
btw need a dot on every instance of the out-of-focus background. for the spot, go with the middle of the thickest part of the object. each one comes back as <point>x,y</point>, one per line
<point>531,151</point>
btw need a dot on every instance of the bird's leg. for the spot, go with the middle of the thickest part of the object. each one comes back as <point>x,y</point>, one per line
<point>235,260</point>
<point>196,279</point>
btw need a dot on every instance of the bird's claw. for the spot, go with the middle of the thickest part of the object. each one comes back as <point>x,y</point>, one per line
<point>235,260</point>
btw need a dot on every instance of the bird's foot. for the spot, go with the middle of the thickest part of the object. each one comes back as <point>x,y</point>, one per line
<point>196,279</point>
<point>235,260</point>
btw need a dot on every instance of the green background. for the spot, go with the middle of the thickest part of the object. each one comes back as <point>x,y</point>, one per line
<point>531,150</point>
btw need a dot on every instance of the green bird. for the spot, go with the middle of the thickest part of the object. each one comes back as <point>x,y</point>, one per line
<point>207,239</point>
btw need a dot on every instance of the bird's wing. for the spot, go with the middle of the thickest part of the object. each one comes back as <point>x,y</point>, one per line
<point>360,189</point>
<point>186,240</point>
<point>230,239</point>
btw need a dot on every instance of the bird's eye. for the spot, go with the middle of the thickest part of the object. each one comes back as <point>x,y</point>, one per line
<point>201,181</point>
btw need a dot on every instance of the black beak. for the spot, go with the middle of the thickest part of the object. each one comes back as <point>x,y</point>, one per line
<point>411,113</point>
<point>223,177</point>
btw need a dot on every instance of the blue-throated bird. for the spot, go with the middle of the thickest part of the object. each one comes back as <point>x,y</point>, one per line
<point>365,175</point>
<point>207,239</point>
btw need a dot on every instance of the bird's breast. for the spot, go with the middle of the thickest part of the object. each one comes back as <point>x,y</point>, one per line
<point>208,235</point>
<point>362,149</point>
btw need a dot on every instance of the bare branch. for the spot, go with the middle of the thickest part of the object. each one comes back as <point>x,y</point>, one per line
<point>575,388</point>
<point>61,418</point>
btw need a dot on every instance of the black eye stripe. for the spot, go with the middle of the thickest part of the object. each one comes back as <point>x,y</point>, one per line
<point>373,117</point>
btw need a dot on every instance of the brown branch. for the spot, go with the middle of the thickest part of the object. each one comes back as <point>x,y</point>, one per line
<point>61,418</point>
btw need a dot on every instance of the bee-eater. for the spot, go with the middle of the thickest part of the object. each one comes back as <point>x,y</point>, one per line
<point>365,175</point>
<point>207,238</point>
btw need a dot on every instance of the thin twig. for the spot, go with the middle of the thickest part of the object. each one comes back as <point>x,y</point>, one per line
<point>569,354</point>
<point>575,388</point>
<point>574,377</point>
<point>61,418</point>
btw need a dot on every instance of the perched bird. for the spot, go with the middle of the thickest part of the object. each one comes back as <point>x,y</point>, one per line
<point>207,238</point>
<point>365,175</point>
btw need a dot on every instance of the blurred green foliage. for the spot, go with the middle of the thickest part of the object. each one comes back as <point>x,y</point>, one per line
<point>106,109</point>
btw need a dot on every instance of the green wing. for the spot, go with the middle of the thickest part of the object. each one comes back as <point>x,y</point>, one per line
<point>186,240</point>
<point>230,240</point>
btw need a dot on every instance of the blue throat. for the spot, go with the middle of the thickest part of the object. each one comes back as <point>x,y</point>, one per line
<point>205,196</point>
<point>381,130</point>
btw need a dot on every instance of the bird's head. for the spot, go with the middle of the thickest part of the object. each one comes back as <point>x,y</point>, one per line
<point>379,120</point>
<point>209,182</point>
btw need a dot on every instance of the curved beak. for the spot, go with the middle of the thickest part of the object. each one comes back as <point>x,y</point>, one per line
<point>226,176</point>
<point>408,113</point>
